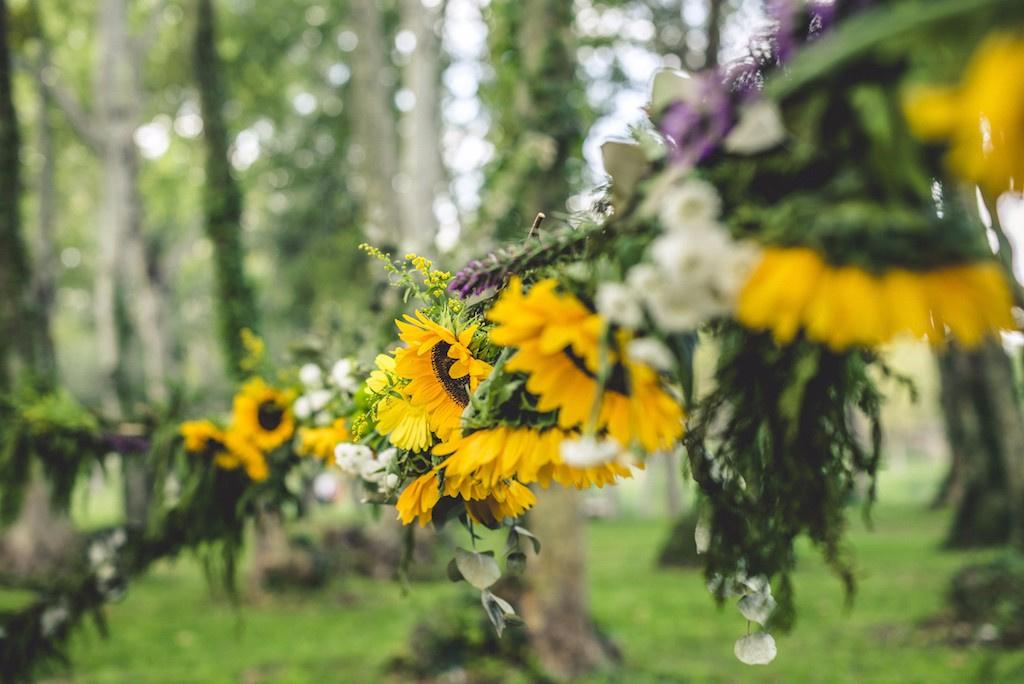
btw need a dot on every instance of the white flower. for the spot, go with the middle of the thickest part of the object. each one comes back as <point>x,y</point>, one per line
<point>619,305</point>
<point>323,419</point>
<point>650,351</point>
<point>325,487</point>
<point>302,409</point>
<point>371,470</point>
<point>586,451</point>
<point>98,553</point>
<point>342,377</point>
<point>106,572</point>
<point>117,538</point>
<point>673,307</point>
<point>318,399</point>
<point>759,128</point>
<point>52,618</point>
<point>311,376</point>
<point>387,456</point>
<point>693,201</point>
<point>391,482</point>
<point>350,457</point>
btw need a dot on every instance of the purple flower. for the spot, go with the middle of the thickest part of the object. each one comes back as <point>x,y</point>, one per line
<point>695,129</point>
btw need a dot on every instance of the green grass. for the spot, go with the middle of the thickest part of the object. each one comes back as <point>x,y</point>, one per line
<point>170,628</point>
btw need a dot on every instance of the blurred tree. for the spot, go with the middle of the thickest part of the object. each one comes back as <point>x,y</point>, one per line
<point>539,115</point>
<point>423,173</point>
<point>985,429</point>
<point>222,199</point>
<point>40,539</point>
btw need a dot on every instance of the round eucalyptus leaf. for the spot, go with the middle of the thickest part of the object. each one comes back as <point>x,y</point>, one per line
<point>756,649</point>
<point>479,569</point>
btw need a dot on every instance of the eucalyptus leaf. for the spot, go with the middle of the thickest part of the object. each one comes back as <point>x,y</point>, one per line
<point>520,530</point>
<point>516,563</point>
<point>499,611</point>
<point>757,607</point>
<point>479,569</point>
<point>756,649</point>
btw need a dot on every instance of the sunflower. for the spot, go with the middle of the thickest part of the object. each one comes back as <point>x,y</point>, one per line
<point>982,117</point>
<point>841,306</point>
<point>228,448</point>
<point>484,503</point>
<point>487,457</point>
<point>264,414</point>
<point>320,442</point>
<point>417,501</point>
<point>406,425</point>
<point>558,341</point>
<point>441,370</point>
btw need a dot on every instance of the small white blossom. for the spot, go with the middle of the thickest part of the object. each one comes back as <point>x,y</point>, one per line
<point>387,456</point>
<point>350,457</point>
<point>52,618</point>
<point>371,470</point>
<point>759,128</point>
<point>391,482</point>
<point>587,451</point>
<point>692,202</point>
<point>325,487</point>
<point>117,538</point>
<point>106,572</point>
<point>99,553</point>
<point>302,409</point>
<point>318,399</point>
<point>650,351</point>
<point>342,376</point>
<point>619,305</point>
<point>311,376</point>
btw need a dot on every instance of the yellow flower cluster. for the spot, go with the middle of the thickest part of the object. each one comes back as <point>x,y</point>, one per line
<point>793,289</point>
<point>982,118</point>
<point>261,420</point>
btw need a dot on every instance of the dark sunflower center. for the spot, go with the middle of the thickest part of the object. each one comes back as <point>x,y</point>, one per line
<point>215,446</point>
<point>618,381</point>
<point>456,388</point>
<point>269,415</point>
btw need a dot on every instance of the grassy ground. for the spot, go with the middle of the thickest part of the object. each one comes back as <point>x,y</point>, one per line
<point>170,628</point>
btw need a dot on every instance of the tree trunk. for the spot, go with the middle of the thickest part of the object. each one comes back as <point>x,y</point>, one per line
<point>673,488</point>
<point>122,246</point>
<point>14,269</point>
<point>45,267</point>
<point>985,426</point>
<point>714,33</point>
<point>555,605</point>
<point>422,167</point>
<point>375,132</point>
<point>532,47</point>
<point>222,200</point>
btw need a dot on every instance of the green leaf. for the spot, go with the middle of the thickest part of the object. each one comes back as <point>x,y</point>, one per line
<point>479,569</point>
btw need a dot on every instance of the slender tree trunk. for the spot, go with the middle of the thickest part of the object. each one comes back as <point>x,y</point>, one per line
<point>422,167</point>
<point>986,427</point>
<point>14,269</point>
<point>45,268</point>
<point>222,200</point>
<point>374,126</point>
<point>714,33</point>
<point>122,246</point>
